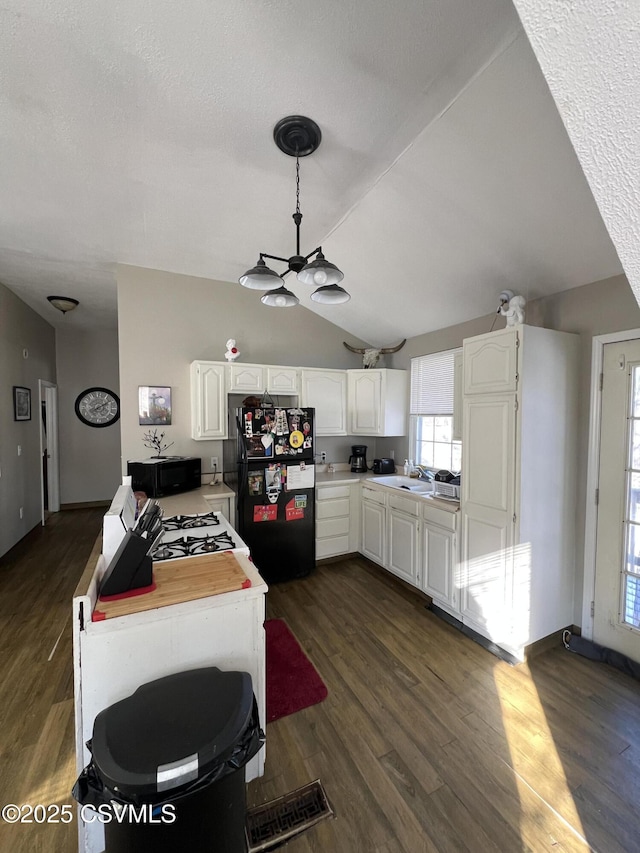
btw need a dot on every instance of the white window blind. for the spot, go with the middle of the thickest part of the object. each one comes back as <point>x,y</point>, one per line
<point>432,383</point>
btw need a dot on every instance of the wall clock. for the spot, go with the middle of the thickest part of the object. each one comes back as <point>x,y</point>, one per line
<point>98,407</point>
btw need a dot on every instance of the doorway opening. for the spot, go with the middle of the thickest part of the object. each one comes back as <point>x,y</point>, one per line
<point>49,454</point>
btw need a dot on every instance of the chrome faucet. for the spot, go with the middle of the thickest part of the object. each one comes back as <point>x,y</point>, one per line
<point>423,473</point>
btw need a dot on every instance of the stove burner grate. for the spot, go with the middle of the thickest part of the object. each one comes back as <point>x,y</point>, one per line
<point>210,544</point>
<point>188,522</point>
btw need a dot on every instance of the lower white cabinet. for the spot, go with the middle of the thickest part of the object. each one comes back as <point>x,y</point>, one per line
<point>337,514</point>
<point>373,543</point>
<point>414,539</point>
<point>403,545</point>
<point>438,576</point>
<point>225,506</point>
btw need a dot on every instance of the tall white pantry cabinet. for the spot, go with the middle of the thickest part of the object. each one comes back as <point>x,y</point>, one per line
<point>518,503</point>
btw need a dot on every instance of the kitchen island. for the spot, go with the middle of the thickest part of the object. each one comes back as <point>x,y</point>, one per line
<point>122,650</point>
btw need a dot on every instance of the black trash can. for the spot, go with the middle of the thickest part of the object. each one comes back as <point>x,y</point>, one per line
<point>167,770</point>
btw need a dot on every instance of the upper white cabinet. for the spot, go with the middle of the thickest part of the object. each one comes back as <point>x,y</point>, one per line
<point>282,380</point>
<point>490,362</point>
<point>258,378</point>
<point>326,391</point>
<point>247,377</point>
<point>518,484</point>
<point>208,400</point>
<point>377,402</point>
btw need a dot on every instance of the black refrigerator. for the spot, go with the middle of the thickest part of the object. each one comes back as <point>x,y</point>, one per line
<point>276,490</point>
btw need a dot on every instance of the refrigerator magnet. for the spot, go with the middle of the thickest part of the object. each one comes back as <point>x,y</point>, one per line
<point>293,512</point>
<point>265,513</point>
<point>256,479</point>
<point>296,439</point>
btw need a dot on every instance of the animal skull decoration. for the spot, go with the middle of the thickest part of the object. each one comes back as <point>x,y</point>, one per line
<point>370,355</point>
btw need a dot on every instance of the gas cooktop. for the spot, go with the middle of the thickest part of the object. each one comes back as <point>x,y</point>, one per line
<point>192,535</point>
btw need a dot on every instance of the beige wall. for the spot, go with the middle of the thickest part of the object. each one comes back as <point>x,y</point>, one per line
<point>20,483</point>
<point>594,309</point>
<point>89,456</point>
<point>166,321</point>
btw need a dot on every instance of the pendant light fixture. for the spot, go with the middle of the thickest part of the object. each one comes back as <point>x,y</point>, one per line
<point>297,136</point>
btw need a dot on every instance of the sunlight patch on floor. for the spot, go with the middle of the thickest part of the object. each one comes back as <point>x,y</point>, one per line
<point>545,797</point>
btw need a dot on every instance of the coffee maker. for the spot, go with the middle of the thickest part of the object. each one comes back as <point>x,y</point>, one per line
<point>358,458</point>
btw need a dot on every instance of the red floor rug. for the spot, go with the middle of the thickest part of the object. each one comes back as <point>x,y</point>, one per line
<point>292,682</point>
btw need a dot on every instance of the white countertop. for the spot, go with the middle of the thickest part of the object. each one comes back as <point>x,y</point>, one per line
<point>193,502</point>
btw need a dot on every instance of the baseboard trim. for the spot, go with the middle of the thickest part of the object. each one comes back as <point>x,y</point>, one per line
<point>85,505</point>
<point>537,648</point>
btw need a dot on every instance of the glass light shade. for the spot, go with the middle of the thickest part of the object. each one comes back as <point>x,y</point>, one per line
<point>280,298</point>
<point>320,272</point>
<point>330,294</point>
<point>260,277</point>
<point>63,303</point>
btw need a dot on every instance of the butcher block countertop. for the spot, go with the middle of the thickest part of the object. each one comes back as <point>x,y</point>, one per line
<point>183,580</point>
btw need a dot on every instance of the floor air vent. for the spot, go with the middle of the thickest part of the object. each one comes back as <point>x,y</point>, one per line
<point>277,821</point>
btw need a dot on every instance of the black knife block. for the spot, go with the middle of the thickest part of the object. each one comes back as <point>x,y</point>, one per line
<point>131,567</point>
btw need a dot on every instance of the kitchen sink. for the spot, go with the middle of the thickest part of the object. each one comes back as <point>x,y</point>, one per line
<point>409,484</point>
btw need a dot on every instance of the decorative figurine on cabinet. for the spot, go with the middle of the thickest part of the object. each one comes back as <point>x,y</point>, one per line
<point>512,307</point>
<point>232,351</point>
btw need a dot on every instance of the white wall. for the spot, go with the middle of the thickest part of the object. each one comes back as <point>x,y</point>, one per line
<point>89,456</point>
<point>166,321</point>
<point>20,482</point>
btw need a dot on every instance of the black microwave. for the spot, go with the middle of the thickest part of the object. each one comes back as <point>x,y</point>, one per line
<point>165,475</point>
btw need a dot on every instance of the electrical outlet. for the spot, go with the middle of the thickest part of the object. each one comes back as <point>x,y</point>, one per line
<point>21,512</point>
<point>392,454</point>
<point>323,457</point>
<point>214,464</point>
<point>19,450</point>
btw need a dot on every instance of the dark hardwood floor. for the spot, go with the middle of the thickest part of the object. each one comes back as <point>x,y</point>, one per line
<point>426,742</point>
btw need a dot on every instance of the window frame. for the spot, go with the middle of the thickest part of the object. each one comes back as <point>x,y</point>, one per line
<point>414,417</point>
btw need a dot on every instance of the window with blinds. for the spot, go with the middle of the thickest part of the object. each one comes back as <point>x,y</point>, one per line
<point>431,412</point>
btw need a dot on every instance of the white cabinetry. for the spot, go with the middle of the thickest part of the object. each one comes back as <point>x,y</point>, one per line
<point>258,378</point>
<point>208,400</point>
<point>326,391</point>
<point>415,539</point>
<point>518,484</point>
<point>373,542</point>
<point>377,402</point>
<point>247,377</point>
<point>439,559</point>
<point>403,528</point>
<point>224,505</point>
<point>282,380</point>
<point>337,517</point>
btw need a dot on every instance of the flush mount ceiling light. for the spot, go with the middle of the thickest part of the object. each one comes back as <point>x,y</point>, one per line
<point>297,136</point>
<point>63,303</point>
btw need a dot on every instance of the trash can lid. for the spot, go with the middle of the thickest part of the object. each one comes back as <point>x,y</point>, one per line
<point>172,731</point>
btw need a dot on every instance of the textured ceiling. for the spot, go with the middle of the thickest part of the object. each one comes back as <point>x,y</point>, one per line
<point>141,133</point>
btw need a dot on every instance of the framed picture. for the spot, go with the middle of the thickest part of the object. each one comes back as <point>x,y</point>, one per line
<point>21,403</point>
<point>154,405</point>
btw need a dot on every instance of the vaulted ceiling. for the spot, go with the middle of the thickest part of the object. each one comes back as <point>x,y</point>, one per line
<point>141,133</point>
